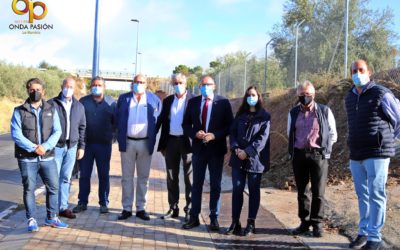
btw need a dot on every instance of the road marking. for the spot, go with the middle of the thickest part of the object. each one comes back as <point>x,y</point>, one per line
<point>11,208</point>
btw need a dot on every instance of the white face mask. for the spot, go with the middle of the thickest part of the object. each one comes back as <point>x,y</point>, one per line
<point>138,88</point>
<point>359,79</point>
<point>67,92</point>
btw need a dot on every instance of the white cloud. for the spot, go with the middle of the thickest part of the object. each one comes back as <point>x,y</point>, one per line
<point>30,51</point>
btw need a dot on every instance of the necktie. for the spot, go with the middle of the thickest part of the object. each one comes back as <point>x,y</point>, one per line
<point>204,114</point>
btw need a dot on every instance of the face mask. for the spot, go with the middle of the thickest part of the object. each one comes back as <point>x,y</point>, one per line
<point>252,100</point>
<point>138,88</point>
<point>360,79</point>
<point>97,91</point>
<point>67,92</point>
<point>179,89</point>
<point>305,100</point>
<point>35,96</point>
<point>206,90</point>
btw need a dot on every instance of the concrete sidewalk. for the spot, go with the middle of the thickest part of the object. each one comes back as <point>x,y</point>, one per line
<point>92,230</point>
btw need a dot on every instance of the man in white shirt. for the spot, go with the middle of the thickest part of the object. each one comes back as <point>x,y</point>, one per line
<point>175,146</point>
<point>136,116</point>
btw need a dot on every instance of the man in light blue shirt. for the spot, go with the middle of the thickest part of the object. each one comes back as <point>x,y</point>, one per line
<point>35,129</point>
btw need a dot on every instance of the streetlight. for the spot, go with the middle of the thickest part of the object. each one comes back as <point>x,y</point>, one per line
<point>137,42</point>
<point>346,39</point>
<point>295,59</point>
<point>266,62</point>
<point>96,45</point>
<point>140,62</point>
<point>245,72</point>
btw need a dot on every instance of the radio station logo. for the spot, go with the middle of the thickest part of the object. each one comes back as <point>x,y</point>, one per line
<point>35,10</point>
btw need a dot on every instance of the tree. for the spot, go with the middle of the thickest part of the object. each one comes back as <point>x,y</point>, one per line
<point>321,36</point>
<point>183,69</point>
<point>47,66</point>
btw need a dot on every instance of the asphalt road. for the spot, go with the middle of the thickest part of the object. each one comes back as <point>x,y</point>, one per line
<point>10,177</point>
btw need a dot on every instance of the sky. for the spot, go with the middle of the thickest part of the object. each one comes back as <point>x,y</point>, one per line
<point>171,32</point>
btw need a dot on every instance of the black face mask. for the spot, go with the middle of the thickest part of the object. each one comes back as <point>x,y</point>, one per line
<point>35,96</point>
<point>305,100</point>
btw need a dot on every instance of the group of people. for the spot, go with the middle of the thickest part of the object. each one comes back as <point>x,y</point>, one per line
<point>51,135</point>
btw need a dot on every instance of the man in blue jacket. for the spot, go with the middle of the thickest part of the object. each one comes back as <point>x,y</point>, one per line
<point>71,144</point>
<point>373,115</point>
<point>207,121</point>
<point>136,116</point>
<point>35,129</point>
<point>100,126</point>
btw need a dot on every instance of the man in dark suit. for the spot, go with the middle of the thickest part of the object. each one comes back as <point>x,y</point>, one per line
<point>207,121</point>
<point>174,145</point>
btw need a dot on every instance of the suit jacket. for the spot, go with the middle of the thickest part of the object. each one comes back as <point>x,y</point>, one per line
<point>122,114</point>
<point>164,121</point>
<point>221,118</point>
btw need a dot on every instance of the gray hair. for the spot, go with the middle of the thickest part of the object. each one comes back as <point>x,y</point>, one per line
<point>304,85</point>
<point>178,76</point>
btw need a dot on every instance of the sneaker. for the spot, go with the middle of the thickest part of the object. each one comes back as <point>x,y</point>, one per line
<point>56,223</point>
<point>103,209</point>
<point>32,225</point>
<point>79,208</point>
<point>359,242</point>
<point>373,245</point>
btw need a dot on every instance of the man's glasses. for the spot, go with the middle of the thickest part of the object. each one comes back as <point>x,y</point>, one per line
<point>177,83</point>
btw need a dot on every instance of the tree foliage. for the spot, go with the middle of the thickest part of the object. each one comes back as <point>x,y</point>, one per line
<point>321,36</point>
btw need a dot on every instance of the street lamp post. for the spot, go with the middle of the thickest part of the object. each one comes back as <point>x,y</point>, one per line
<point>266,63</point>
<point>137,43</point>
<point>140,62</point>
<point>245,73</point>
<point>346,39</point>
<point>96,45</point>
<point>295,57</point>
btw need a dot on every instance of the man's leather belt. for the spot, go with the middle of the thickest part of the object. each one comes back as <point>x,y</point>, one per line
<point>137,139</point>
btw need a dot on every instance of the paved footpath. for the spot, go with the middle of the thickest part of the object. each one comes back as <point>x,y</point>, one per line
<point>92,230</point>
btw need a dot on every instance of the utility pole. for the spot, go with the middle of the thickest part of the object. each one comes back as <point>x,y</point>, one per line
<point>96,45</point>
<point>346,39</point>
<point>295,59</point>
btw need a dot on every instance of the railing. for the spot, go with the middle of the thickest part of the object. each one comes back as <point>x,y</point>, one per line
<point>108,74</point>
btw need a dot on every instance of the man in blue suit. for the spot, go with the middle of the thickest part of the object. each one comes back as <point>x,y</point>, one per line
<point>207,121</point>
<point>136,116</point>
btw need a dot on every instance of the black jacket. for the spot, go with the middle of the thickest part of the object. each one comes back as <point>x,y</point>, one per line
<point>77,122</point>
<point>164,119</point>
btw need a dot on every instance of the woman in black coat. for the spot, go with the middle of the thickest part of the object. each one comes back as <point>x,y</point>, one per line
<point>249,144</point>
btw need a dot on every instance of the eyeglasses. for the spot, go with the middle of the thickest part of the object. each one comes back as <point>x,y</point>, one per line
<point>176,83</point>
<point>139,82</point>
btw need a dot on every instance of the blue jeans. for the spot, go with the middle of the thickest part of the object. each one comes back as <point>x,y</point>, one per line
<point>48,172</point>
<point>65,159</point>
<point>370,178</point>
<point>238,184</point>
<point>215,165</point>
<point>101,153</point>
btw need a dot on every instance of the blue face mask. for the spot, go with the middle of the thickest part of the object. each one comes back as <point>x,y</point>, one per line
<point>138,88</point>
<point>206,90</point>
<point>252,100</point>
<point>179,89</point>
<point>360,80</point>
<point>97,91</point>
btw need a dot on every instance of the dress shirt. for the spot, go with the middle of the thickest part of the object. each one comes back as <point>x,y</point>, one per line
<point>176,115</point>
<point>67,104</point>
<point>210,102</point>
<point>137,119</point>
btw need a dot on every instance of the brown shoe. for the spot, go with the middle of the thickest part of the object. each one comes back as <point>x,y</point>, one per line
<point>67,214</point>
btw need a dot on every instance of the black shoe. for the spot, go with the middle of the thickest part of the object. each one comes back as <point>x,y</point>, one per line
<point>193,222</point>
<point>79,208</point>
<point>318,231</point>
<point>172,213</point>
<point>359,242</point>
<point>214,225</point>
<point>303,228</point>
<point>124,215</point>
<point>373,245</point>
<point>250,228</point>
<point>143,215</point>
<point>187,216</point>
<point>235,228</point>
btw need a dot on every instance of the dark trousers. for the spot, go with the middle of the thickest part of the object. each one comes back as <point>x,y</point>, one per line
<point>306,167</point>
<point>174,153</point>
<point>238,183</point>
<point>101,153</point>
<point>215,165</point>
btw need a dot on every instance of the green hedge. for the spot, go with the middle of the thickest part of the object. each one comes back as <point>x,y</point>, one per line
<point>14,77</point>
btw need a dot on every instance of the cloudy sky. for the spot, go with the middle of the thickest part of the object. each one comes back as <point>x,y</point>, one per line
<point>171,32</point>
